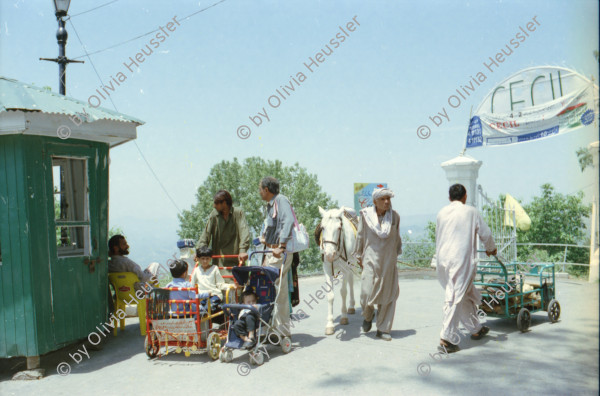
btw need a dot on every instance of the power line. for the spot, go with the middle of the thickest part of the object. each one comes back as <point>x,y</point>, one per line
<point>202,10</point>
<point>92,9</point>
<point>156,177</point>
<point>144,34</point>
<point>113,103</point>
<point>116,45</point>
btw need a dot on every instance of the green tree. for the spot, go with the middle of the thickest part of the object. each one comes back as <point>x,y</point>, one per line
<point>556,218</point>
<point>115,231</point>
<point>241,180</point>
<point>584,157</point>
<point>417,251</point>
<point>430,227</point>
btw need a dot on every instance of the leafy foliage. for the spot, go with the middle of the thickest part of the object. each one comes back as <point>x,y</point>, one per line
<point>430,227</point>
<point>417,251</point>
<point>242,180</point>
<point>584,157</point>
<point>556,218</point>
<point>115,231</point>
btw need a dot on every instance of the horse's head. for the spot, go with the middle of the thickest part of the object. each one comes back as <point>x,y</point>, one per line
<point>331,234</point>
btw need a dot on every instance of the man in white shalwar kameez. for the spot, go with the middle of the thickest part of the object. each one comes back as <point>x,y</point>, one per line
<point>378,245</point>
<point>458,226</point>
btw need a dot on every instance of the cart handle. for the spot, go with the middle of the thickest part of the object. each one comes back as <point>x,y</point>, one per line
<point>499,262</point>
<point>542,271</point>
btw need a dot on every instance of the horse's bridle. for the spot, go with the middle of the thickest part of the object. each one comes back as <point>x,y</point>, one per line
<point>339,250</point>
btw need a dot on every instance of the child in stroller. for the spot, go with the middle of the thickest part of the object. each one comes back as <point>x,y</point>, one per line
<point>245,326</point>
<point>261,280</point>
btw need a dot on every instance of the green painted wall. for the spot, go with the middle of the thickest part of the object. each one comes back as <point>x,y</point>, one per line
<point>47,302</point>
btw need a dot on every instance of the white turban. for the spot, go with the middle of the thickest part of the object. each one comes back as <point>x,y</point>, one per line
<point>382,192</point>
<point>381,229</point>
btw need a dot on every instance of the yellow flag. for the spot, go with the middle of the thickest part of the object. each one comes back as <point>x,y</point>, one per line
<point>522,219</point>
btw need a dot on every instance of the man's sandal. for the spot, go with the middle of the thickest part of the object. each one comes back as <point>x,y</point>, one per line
<point>482,332</point>
<point>448,348</point>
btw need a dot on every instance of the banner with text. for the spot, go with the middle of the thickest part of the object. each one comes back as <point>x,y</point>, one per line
<point>532,104</point>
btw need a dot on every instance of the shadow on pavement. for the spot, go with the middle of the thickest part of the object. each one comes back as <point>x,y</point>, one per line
<point>80,358</point>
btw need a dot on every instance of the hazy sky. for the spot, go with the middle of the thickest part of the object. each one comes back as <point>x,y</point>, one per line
<point>352,119</point>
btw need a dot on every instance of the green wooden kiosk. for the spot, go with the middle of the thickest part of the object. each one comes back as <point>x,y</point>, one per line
<point>54,167</point>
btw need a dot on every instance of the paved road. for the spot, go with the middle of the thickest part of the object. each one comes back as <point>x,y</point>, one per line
<point>560,358</point>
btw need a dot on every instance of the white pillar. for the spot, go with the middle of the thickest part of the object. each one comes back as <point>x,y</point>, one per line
<point>464,170</point>
<point>594,251</point>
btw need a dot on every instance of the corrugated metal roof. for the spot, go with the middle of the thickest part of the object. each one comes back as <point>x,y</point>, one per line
<point>15,95</point>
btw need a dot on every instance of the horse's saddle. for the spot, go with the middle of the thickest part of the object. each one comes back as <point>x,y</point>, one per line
<point>353,218</point>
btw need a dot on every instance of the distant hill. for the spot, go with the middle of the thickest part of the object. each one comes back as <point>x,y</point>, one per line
<point>153,240</point>
<point>149,240</point>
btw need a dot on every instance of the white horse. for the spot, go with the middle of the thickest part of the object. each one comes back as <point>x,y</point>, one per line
<point>336,236</point>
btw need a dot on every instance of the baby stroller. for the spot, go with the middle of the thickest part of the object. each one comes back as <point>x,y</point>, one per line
<point>262,280</point>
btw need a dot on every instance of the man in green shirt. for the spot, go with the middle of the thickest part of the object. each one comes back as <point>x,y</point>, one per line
<point>226,231</point>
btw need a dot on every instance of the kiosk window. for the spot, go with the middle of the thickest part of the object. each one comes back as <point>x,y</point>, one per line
<point>71,211</point>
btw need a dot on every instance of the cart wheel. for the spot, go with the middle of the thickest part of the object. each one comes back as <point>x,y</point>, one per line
<point>553,311</point>
<point>153,348</point>
<point>523,319</point>
<point>257,358</point>
<point>286,344</point>
<point>213,345</point>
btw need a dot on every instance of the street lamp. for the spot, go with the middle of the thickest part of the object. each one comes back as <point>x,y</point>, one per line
<point>61,7</point>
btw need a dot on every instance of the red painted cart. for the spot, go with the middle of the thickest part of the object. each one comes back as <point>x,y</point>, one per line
<point>184,325</point>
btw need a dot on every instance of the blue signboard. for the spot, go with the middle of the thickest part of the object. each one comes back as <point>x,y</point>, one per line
<point>363,193</point>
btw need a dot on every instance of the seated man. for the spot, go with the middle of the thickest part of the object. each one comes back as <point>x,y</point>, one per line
<point>208,278</point>
<point>117,250</point>
<point>179,271</point>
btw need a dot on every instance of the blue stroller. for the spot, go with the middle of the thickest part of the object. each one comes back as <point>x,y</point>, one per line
<point>262,280</point>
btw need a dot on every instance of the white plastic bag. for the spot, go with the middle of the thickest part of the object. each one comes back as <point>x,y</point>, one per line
<point>299,240</point>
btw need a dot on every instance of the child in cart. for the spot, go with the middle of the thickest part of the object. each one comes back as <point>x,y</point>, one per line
<point>208,278</point>
<point>245,326</point>
<point>179,272</point>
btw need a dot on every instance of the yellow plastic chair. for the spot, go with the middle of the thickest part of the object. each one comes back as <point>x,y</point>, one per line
<point>123,283</point>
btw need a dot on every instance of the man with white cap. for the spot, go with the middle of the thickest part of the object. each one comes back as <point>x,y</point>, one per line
<point>378,245</point>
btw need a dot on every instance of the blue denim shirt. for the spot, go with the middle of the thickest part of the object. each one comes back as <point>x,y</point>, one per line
<point>181,294</point>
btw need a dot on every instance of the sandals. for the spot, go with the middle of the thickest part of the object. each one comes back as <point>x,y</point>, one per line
<point>448,348</point>
<point>482,332</point>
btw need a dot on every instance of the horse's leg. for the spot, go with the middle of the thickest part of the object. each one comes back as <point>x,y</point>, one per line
<point>344,319</point>
<point>329,329</point>
<point>351,310</point>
